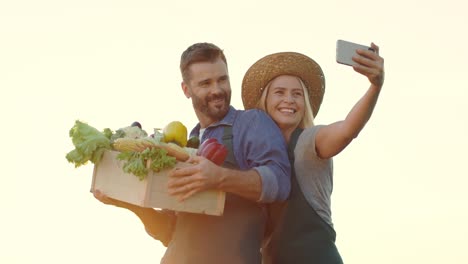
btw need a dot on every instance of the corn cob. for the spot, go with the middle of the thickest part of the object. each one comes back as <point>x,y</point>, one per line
<point>131,144</point>
<point>174,150</point>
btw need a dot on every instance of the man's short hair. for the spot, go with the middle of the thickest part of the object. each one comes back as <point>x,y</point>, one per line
<point>199,52</point>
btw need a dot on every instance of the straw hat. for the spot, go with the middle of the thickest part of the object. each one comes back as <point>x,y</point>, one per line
<point>283,63</point>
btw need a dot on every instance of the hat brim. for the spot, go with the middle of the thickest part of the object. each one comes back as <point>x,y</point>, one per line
<point>283,63</point>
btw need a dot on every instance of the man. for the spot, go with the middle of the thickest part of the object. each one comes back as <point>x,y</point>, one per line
<point>256,172</point>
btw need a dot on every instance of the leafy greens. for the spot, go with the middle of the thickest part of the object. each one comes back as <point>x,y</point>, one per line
<point>136,162</point>
<point>89,143</point>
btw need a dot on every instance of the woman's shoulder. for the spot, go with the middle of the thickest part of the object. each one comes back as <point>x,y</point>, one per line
<point>310,132</point>
<point>306,141</point>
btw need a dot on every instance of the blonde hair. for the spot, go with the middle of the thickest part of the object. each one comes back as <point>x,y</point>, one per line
<point>307,120</point>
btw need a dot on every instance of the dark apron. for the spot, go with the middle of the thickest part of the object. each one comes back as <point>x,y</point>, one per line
<point>234,237</point>
<point>304,237</point>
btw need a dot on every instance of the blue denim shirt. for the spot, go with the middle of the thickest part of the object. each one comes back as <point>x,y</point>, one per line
<point>257,144</point>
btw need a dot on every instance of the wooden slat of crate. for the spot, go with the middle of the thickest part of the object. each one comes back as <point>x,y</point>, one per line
<point>109,178</point>
<point>207,202</point>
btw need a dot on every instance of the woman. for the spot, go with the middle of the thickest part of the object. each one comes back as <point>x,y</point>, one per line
<point>289,87</point>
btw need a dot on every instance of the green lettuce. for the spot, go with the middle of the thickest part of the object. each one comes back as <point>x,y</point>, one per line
<point>135,162</point>
<point>89,143</point>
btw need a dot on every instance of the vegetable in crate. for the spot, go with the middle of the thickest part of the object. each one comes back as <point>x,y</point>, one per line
<point>132,144</point>
<point>138,151</point>
<point>137,124</point>
<point>133,131</point>
<point>89,144</point>
<point>213,150</point>
<point>136,162</point>
<point>175,132</point>
<point>193,142</point>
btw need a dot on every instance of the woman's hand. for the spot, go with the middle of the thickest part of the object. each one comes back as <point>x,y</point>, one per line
<point>332,139</point>
<point>371,65</point>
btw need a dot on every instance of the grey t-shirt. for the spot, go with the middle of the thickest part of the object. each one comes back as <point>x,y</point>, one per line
<point>314,175</point>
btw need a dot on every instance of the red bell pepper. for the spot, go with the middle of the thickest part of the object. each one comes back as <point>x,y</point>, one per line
<point>213,150</point>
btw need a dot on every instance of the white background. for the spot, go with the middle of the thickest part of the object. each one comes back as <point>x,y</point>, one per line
<point>399,193</point>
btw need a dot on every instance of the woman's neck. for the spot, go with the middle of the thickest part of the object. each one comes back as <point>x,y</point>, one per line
<point>287,132</point>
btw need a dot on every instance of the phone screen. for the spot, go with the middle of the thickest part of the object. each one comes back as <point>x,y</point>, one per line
<point>345,51</point>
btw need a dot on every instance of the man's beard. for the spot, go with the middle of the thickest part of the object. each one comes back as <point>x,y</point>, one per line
<point>216,113</point>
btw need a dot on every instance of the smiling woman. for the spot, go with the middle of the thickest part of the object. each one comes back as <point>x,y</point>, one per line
<point>286,103</point>
<point>301,230</point>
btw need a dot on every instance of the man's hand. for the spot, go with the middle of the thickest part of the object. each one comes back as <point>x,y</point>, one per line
<point>201,176</point>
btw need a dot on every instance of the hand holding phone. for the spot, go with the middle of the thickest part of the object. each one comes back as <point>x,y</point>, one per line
<point>345,51</point>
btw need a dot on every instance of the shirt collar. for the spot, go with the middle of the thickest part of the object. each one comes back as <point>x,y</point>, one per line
<point>228,120</point>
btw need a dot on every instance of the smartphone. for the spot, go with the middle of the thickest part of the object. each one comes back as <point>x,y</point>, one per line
<point>345,50</point>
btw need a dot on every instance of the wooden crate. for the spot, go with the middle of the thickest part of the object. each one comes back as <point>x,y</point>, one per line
<point>109,178</point>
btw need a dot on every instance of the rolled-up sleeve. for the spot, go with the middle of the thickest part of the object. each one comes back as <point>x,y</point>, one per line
<point>270,186</point>
<point>264,149</point>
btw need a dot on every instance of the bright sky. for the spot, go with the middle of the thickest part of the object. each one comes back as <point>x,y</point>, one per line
<point>400,188</point>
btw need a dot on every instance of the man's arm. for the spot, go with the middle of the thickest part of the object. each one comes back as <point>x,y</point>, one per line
<point>158,224</point>
<point>247,184</point>
<point>204,175</point>
<point>265,168</point>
